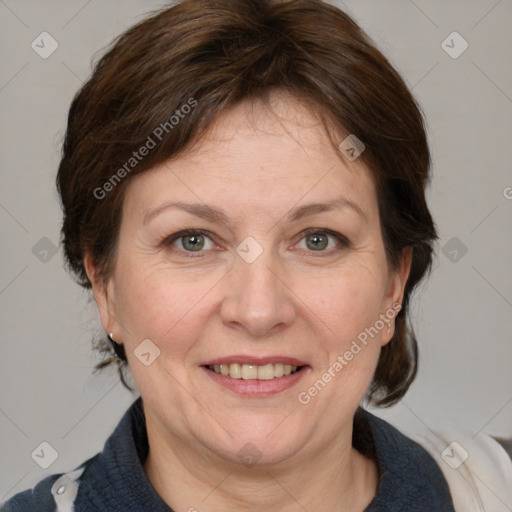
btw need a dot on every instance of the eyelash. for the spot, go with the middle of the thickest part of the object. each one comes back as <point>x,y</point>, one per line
<point>341,239</point>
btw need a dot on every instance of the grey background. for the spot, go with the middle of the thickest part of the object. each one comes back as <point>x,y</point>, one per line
<point>463,314</point>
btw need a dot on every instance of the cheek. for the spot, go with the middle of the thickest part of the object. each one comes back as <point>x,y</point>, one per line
<point>158,304</point>
<point>348,310</point>
<point>346,302</point>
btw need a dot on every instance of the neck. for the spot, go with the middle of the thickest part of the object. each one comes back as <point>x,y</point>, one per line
<point>189,477</point>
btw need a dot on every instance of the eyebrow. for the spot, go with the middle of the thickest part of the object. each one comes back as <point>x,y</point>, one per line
<point>215,215</point>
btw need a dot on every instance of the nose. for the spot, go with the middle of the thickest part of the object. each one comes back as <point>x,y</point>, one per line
<point>257,298</point>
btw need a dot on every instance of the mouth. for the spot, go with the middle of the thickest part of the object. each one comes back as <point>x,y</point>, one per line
<point>269,371</point>
<point>256,376</point>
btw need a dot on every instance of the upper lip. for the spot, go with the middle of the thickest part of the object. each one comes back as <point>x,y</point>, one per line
<point>258,361</point>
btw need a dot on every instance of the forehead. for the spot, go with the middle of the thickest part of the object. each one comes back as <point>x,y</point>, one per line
<point>258,155</point>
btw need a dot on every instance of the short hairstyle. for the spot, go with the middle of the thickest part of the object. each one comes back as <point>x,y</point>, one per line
<point>163,82</point>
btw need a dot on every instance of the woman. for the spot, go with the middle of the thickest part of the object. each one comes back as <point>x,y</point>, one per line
<point>243,188</point>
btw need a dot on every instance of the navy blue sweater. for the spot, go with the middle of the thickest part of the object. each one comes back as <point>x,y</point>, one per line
<point>114,479</point>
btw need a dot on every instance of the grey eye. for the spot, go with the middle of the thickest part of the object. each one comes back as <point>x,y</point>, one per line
<point>192,242</point>
<point>317,241</point>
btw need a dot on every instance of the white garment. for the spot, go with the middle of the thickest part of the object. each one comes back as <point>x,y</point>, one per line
<point>477,468</point>
<point>65,489</point>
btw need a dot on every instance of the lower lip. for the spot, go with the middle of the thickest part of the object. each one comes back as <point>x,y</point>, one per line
<point>255,387</point>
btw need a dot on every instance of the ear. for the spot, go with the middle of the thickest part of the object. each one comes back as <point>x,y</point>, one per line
<point>395,292</point>
<point>104,296</point>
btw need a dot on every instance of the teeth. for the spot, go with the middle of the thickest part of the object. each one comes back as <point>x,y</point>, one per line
<point>254,372</point>
<point>235,371</point>
<point>249,371</point>
<point>266,372</point>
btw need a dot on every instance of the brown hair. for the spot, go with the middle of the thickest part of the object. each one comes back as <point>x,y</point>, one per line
<point>210,55</point>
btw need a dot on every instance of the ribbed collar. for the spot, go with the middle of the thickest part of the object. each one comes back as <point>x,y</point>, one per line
<point>410,479</point>
<point>115,481</point>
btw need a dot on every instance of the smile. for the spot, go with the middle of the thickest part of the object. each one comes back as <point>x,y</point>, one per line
<point>254,372</point>
<point>256,380</point>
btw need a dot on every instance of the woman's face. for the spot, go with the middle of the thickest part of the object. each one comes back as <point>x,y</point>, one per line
<point>287,267</point>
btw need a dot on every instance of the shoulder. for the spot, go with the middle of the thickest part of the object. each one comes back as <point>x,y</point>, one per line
<point>37,499</point>
<point>477,468</point>
<point>55,492</point>
<point>409,478</point>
